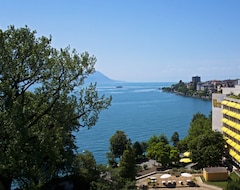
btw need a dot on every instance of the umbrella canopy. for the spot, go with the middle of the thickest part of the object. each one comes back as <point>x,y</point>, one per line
<point>164,176</point>
<point>185,160</point>
<point>186,175</point>
<point>186,154</point>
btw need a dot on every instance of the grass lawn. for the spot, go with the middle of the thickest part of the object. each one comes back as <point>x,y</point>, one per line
<point>233,176</point>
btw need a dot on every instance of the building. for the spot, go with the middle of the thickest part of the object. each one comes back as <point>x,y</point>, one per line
<point>226,118</point>
<point>196,79</point>
<point>215,174</point>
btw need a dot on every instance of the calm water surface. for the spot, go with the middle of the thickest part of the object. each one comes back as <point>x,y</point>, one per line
<point>141,110</point>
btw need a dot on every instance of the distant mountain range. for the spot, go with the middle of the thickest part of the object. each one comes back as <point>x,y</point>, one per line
<point>99,78</point>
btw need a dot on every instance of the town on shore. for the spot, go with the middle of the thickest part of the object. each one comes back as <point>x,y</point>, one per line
<point>198,89</point>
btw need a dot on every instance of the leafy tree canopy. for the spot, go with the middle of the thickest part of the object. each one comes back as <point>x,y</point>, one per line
<point>118,143</point>
<point>138,150</point>
<point>42,102</point>
<point>207,149</point>
<point>199,125</point>
<point>128,164</point>
<point>160,152</point>
<point>155,139</point>
<point>175,138</point>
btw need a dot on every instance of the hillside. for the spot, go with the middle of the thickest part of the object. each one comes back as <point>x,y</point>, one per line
<point>99,78</point>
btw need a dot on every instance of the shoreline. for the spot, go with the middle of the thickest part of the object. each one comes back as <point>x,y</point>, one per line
<point>190,96</point>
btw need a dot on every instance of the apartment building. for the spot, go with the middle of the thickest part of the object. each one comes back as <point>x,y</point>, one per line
<point>226,118</point>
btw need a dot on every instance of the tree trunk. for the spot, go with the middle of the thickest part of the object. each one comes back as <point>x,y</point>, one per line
<point>5,183</point>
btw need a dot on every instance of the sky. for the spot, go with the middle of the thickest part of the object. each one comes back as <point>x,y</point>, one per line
<point>140,40</point>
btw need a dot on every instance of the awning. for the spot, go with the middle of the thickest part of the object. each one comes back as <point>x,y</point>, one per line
<point>224,102</point>
<point>230,142</point>
<point>231,104</point>
<point>237,126</point>
<point>230,113</point>
<point>237,136</point>
<point>231,123</point>
<point>232,153</point>
<point>237,106</point>
<point>231,133</point>
<point>237,157</point>
<point>237,116</point>
<point>185,160</point>
<point>224,120</point>
<point>224,111</point>
<point>225,129</point>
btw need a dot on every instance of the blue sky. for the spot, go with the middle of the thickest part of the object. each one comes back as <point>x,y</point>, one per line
<point>140,40</point>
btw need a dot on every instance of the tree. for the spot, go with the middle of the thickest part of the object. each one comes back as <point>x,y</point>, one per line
<point>85,165</point>
<point>118,143</point>
<point>42,102</point>
<point>207,149</point>
<point>199,125</point>
<point>138,150</point>
<point>153,139</point>
<point>128,165</point>
<point>160,152</point>
<point>144,146</point>
<point>163,138</point>
<point>175,138</point>
<point>182,145</point>
<point>174,154</point>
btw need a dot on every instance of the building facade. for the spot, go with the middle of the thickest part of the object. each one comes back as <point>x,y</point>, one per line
<point>226,118</point>
<point>231,127</point>
<point>196,79</point>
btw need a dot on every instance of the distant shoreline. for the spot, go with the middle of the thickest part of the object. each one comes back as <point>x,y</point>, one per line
<point>193,96</point>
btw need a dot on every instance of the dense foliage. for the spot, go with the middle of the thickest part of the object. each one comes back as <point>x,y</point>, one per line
<point>233,185</point>
<point>160,150</point>
<point>187,90</point>
<point>42,102</point>
<point>118,143</point>
<point>206,146</point>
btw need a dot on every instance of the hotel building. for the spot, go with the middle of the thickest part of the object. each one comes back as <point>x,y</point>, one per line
<point>226,118</point>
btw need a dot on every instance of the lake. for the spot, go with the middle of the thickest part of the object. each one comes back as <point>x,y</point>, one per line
<point>140,110</point>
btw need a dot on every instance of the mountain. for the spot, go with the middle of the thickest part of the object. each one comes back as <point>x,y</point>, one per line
<point>99,78</point>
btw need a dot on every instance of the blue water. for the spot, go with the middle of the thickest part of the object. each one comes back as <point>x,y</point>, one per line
<point>141,110</point>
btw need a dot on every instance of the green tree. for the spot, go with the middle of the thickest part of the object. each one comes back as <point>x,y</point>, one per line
<point>153,139</point>
<point>42,102</point>
<point>199,125</point>
<point>174,154</point>
<point>111,159</point>
<point>182,145</point>
<point>160,152</point>
<point>118,143</point>
<point>85,166</point>
<point>175,138</point>
<point>207,149</point>
<point>128,165</point>
<point>163,138</point>
<point>138,150</point>
<point>144,146</point>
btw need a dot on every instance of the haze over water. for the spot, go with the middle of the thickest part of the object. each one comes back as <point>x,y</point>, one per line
<point>141,110</point>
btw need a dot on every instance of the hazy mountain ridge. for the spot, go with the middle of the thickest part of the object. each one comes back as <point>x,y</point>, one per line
<point>99,78</point>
